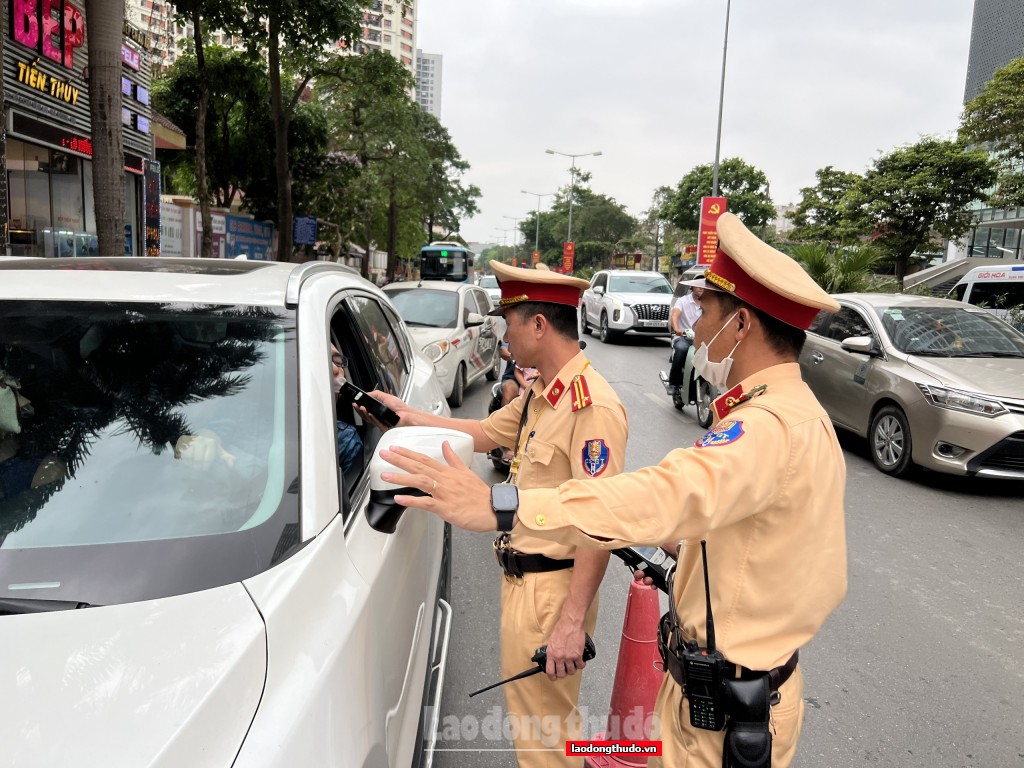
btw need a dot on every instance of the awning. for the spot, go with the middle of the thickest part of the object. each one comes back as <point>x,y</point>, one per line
<point>166,134</point>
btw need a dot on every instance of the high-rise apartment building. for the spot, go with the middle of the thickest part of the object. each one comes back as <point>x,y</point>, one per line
<point>428,82</point>
<point>997,38</point>
<point>391,27</point>
<point>166,38</point>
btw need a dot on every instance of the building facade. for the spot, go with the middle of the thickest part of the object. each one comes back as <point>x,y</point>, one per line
<point>997,38</point>
<point>49,208</point>
<point>428,82</point>
<point>391,27</point>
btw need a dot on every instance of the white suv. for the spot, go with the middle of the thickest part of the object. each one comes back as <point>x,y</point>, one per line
<point>188,573</point>
<point>626,300</point>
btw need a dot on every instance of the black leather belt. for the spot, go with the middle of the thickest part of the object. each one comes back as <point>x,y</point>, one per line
<point>515,563</point>
<point>776,677</point>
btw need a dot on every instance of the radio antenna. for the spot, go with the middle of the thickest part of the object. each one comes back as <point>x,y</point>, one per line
<point>707,596</point>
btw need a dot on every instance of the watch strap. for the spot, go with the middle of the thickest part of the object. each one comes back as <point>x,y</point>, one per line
<point>506,520</point>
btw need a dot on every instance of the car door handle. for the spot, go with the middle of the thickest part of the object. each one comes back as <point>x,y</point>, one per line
<point>817,357</point>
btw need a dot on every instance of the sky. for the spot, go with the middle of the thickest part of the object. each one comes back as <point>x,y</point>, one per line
<point>808,83</point>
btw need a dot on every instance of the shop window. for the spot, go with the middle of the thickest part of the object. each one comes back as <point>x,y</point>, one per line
<point>28,184</point>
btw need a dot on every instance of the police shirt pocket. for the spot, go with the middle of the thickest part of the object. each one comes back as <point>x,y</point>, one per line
<point>540,457</point>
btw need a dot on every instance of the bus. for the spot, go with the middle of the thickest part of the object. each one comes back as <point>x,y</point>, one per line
<point>442,260</point>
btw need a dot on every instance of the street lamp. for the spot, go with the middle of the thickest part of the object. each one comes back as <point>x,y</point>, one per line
<point>515,233</point>
<point>504,233</point>
<point>539,195</point>
<point>572,183</point>
<point>721,99</point>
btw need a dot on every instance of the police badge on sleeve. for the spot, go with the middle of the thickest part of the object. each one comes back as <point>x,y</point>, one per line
<point>724,433</point>
<point>595,456</point>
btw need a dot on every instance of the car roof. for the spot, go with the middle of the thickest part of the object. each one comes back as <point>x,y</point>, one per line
<point>433,285</point>
<point>632,272</point>
<point>898,300</point>
<point>124,278</point>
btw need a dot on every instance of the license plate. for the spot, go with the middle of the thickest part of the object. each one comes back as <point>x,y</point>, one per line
<point>654,323</point>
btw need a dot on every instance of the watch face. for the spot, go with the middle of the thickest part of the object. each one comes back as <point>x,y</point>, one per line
<point>504,497</point>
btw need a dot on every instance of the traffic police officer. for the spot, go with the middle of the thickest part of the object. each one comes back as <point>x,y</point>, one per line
<point>764,488</point>
<point>569,424</point>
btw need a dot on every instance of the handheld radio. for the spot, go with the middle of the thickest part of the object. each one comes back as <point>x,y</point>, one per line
<point>540,658</point>
<point>705,671</point>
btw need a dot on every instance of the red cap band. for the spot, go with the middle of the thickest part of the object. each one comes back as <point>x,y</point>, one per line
<point>725,272</point>
<point>516,291</point>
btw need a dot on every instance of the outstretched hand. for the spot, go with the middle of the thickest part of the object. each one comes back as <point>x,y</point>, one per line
<point>454,492</point>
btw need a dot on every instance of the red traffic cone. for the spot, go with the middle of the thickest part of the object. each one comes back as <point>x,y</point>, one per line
<point>638,676</point>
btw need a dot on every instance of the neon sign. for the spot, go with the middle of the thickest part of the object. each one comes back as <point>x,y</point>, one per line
<point>46,26</point>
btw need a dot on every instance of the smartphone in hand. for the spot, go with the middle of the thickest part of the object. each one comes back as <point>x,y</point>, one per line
<point>373,406</point>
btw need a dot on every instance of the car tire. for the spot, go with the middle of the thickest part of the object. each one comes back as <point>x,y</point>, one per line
<point>585,328</point>
<point>495,370</point>
<point>705,396</point>
<point>458,388</point>
<point>890,441</point>
<point>606,332</point>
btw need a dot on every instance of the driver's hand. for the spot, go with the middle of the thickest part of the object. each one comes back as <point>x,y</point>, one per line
<point>688,333</point>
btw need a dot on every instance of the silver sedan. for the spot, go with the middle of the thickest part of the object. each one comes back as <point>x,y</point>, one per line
<point>927,381</point>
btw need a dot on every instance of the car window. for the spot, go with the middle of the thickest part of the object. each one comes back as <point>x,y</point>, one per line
<point>381,343</point>
<point>820,321</point>
<point>426,307</point>
<point>404,343</point>
<point>155,450</point>
<point>639,284</point>
<point>488,281</point>
<point>483,304</point>
<point>848,322</point>
<point>950,332</point>
<point>601,280</point>
<point>997,295</point>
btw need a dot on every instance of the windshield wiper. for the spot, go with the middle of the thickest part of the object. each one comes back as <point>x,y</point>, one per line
<point>422,325</point>
<point>991,354</point>
<point>16,605</point>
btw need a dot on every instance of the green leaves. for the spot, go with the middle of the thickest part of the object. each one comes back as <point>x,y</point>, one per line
<point>995,117</point>
<point>745,186</point>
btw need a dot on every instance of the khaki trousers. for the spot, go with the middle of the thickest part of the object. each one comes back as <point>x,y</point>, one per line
<point>684,746</point>
<point>542,714</point>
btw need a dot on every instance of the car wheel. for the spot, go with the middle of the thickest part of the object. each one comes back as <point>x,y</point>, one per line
<point>458,388</point>
<point>890,441</point>
<point>705,396</point>
<point>584,325</point>
<point>606,333</point>
<point>495,370</point>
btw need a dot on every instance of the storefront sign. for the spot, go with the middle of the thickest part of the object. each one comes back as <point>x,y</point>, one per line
<point>36,79</point>
<point>172,230</point>
<point>151,201</point>
<point>248,238</point>
<point>44,25</point>
<point>707,237</point>
<point>131,57</point>
<point>136,35</point>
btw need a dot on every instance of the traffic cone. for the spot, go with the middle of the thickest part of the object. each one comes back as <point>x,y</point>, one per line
<point>638,676</point>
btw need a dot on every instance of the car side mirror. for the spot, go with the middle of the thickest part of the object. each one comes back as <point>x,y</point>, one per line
<point>474,319</point>
<point>599,290</point>
<point>861,345</point>
<point>382,513</point>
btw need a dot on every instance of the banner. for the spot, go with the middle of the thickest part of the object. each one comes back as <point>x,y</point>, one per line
<point>707,237</point>
<point>568,257</point>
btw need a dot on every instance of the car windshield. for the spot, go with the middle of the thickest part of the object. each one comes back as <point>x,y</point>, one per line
<point>488,281</point>
<point>950,332</point>
<point>426,307</point>
<point>150,450</point>
<point>639,284</point>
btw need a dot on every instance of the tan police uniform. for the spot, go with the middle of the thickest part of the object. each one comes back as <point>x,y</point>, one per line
<point>764,487</point>
<point>575,427</point>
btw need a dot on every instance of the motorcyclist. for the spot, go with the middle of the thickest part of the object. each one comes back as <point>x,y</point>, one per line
<point>684,314</point>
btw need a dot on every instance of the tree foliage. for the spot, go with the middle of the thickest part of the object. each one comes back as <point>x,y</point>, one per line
<point>995,117</point>
<point>819,215</point>
<point>838,270</point>
<point>745,186</point>
<point>915,192</point>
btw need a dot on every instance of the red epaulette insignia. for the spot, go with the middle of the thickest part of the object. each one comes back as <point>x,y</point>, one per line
<point>580,394</point>
<point>555,393</point>
<point>726,401</point>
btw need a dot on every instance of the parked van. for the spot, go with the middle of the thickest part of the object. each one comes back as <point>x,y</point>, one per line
<point>996,288</point>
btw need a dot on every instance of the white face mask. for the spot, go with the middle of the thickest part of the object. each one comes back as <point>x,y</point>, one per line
<point>715,374</point>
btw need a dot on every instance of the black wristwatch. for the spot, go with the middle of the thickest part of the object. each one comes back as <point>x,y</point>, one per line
<point>505,503</point>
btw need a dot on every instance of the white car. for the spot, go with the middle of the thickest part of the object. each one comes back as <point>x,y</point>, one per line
<point>449,322</point>
<point>626,300</point>
<point>490,284</point>
<point>187,576</point>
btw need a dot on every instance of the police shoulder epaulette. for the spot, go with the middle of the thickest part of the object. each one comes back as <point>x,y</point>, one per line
<point>580,393</point>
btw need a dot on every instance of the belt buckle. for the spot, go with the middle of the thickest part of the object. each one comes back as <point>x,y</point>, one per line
<point>504,554</point>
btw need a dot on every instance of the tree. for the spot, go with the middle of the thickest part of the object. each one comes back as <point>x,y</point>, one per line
<point>819,214</point>
<point>745,186</point>
<point>995,117</point>
<point>105,23</point>
<point>838,270</point>
<point>445,199</point>
<point>916,191</point>
<point>296,36</point>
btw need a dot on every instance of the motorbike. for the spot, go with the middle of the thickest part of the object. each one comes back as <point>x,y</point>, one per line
<point>693,391</point>
<point>495,455</point>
